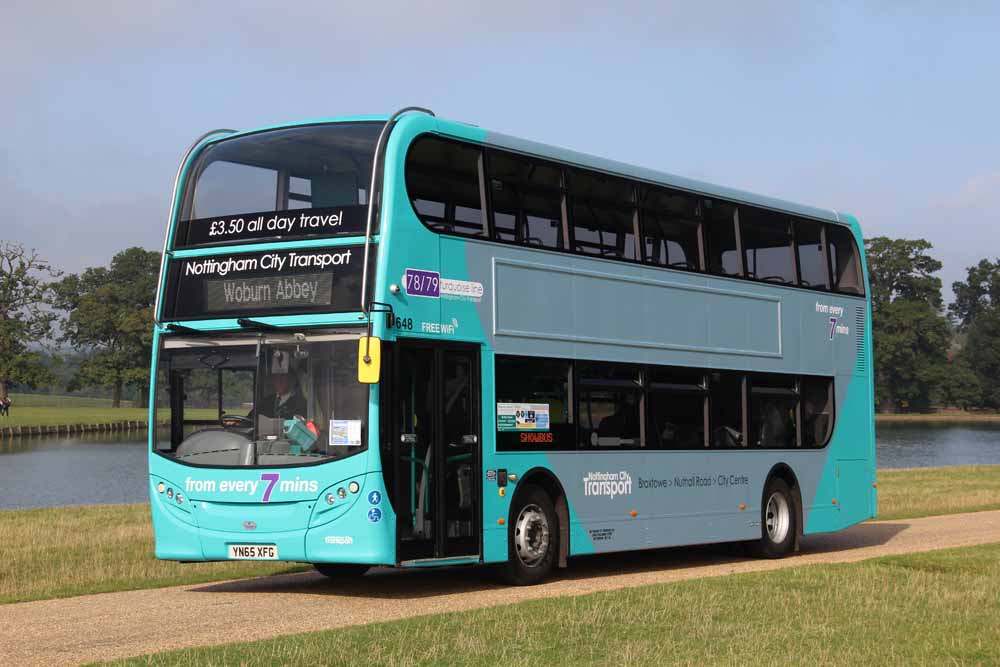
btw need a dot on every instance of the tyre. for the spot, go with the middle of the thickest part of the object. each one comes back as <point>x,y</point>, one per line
<point>532,538</point>
<point>340,570</point>
<point>778,520</point>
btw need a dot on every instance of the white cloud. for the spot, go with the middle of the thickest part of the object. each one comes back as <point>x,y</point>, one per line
<point>979,191</point>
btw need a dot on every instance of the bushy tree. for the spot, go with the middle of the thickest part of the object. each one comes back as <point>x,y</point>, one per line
<point>25,317</point>
<point>110,314</point>
<point>978,294</point>
<point>911,335</point>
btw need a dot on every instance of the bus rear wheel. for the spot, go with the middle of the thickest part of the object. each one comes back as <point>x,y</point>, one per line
<point>532,538</point>
<point>340,570</point>
<point>778,520</point>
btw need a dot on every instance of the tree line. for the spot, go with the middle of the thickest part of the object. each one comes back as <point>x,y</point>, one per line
<point>926,353</point>
<point>105,314</point>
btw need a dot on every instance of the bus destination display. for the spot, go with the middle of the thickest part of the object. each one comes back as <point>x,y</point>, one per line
<point>309,289</point>
<point>271,225</point>
<point>277,282</point>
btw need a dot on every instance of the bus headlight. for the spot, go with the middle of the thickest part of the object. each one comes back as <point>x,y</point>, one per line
<point>179,499</point>
<point>170,493</point>
<point>341,493</point>
<point>354,487</point>
<point>329,499</point>
<point>161,487</point>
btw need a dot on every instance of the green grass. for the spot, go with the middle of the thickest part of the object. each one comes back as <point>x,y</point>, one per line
<point>62,401</point>
<point>30,415</point>
<point>65,551</point>
<point>942,418</point>
<point>43,548</point>
<point>932,608</point>
<point>55,410</point>
<point>915,492</point>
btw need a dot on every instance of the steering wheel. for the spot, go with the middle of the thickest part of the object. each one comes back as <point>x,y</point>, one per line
<point>236,421</point>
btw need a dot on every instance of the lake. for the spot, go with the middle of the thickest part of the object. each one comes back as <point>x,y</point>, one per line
<point>47,471</point>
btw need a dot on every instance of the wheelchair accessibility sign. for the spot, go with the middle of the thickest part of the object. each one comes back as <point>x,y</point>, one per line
<point>374,515</point>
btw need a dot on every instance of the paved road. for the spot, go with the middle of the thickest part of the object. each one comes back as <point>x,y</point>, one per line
<point>115,625</point>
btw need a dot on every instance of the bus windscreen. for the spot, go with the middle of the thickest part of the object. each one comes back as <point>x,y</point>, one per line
<point>302,182</point>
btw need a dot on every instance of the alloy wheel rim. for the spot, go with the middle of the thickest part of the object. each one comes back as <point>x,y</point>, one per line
<point>531,535</point>
<point>777,517</point>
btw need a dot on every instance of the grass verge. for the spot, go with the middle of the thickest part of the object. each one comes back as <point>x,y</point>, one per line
<point>943,418</point>
<point>930,608</point>
<point>65,551</point>
<point>916,492</point>
<point>39,415</point>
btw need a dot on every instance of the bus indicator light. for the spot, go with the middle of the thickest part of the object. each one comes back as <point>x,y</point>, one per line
<point>633,514</point>
<point>742,507</point>
<point>502,491</point>
<point>501,522</point>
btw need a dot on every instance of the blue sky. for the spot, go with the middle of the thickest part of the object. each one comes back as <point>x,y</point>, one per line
<point>887,111</point>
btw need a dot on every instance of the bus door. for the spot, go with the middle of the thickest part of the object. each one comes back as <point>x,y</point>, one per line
<point>436,450</point>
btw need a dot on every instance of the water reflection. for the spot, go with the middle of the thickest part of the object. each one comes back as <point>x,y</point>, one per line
<point>78,469</point>
<point>934,444</point>
<point>89,468</point>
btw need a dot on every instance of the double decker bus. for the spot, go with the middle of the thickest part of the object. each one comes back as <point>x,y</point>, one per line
<point>411,342</point>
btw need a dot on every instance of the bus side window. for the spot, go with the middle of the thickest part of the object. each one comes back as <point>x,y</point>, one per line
<point>670,229</point>
<point>603,215</point>
<point>809,248</point>
<point>442,178</point>
<point>767,246</point>
<point>723,252</point>
<point>774,404</point>
<point>676,409</point>
<point>844,262</point>
<point>527,200</point>
<point>540,385</point>
<point>609,405</point>
<point>817,411</point>
<point>726,396</point>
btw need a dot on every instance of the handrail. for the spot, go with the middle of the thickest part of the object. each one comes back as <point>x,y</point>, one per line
<point>173,207</point>
<point>379,147</point>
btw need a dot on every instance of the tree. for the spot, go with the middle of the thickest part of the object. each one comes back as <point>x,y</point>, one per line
<point>910,333</point>
<point>980,293</point>
<point>24,316</point>
<point>901,269</point>
<point>110,314</point>
<point>960,385</point>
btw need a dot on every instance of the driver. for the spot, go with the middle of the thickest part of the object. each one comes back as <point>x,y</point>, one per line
<point>286,399</point>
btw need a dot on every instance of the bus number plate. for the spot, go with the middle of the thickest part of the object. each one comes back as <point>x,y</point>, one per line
<point>253,552</point>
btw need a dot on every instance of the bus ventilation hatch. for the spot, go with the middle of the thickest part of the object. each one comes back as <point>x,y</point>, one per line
<point>861,358</point>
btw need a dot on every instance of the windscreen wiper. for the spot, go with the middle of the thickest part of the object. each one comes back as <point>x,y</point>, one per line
<point>247,323</point>
<point>180,328</point>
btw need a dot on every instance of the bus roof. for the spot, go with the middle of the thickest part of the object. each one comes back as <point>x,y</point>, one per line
<point>459,130</point>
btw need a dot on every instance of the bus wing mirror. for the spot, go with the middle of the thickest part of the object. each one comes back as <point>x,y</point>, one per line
<point>369,359</point>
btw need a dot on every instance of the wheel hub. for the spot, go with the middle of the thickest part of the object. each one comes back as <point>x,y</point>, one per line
<point>531,535</point>
<point>777,518</point>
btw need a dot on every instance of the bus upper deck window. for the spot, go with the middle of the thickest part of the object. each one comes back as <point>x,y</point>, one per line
<point>442,179</point>
<point>723,253</point>
<point>844,261</point>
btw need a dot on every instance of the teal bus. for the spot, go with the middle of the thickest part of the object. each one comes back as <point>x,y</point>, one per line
<point>404,341</point>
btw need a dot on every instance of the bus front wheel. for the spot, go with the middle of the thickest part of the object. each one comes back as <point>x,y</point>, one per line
<point>777,520</point>
<point>340,570</point>
<point>532,538</point>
